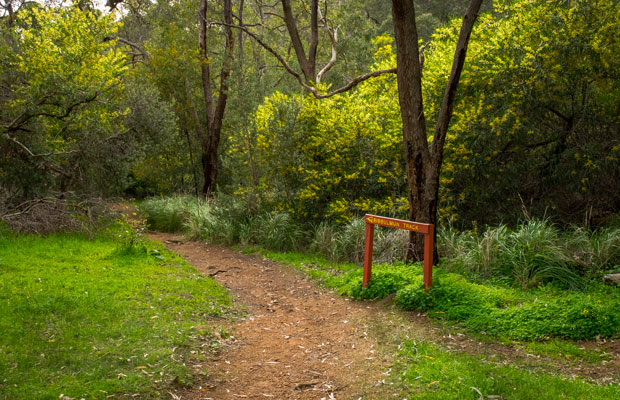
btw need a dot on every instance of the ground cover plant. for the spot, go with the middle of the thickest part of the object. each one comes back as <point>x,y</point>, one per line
<point>429,372</point>
<point>97,317</point>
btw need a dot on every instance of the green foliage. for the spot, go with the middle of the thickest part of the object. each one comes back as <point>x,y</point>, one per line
<point>386,280</point>
<point>85,316</point>
<point>541,314</point>
<point>536,117</point>
<point>535,253</point>
<point>534,126</point>
<point>335,158</point>
<point>61,104</point>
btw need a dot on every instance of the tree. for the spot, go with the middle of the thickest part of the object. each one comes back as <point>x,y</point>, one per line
<point>61,95</point>
<point>214,107</point>
<point>309,78</point>
<point>423,162</point>
<point>536,123</point>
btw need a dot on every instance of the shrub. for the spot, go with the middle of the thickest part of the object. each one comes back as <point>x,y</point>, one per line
<point>168,214</point>
<point>518,315</point>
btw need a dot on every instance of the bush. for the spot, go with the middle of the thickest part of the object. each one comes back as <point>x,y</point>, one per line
<point>169,214</point>
<point>518,315</point>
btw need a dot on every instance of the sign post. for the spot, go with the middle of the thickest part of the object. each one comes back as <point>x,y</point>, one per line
<point>426,229</point>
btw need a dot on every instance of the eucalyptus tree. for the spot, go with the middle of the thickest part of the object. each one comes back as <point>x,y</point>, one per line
<point>423,159</point>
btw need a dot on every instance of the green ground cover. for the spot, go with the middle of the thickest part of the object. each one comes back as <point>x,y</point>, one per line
<point>90,318</point>
<point>501,311</point>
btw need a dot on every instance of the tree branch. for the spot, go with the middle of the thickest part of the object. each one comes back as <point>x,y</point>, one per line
<point>142,52</point>
<point>354,82</point>
<point>447,104</point>
<point>333,38</point>
<point>291,26</point>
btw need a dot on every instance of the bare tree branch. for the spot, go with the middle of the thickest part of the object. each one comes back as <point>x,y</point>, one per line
<point>354,82</point>
<point>333,38</point>
<point>141,51</point>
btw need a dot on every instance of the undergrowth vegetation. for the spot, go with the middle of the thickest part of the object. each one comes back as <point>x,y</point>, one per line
<point>507,283</point>
<point>535,253</point>
<point>95,317</point>
<point>230,221</point>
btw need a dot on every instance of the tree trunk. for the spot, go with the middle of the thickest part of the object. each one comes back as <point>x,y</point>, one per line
<point>307,64</point>
<point>215,114</point>
<point>423,165</point>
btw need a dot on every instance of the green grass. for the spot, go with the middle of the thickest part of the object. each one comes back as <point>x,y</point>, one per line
<point>533,253</point>
<point>566,350</point>
<point>429,372</point>
<point>90,318</point>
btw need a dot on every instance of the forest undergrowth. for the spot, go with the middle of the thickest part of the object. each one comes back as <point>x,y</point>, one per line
<point>531,282</point>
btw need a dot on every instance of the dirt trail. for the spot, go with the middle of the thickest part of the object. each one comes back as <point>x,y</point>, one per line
<point>299,341</point>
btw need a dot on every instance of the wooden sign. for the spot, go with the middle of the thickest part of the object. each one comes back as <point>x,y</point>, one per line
<point>427,229</point>
<point>397,223</point>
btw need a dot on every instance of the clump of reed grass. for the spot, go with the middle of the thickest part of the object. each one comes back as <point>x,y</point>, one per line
<point>534,253</point>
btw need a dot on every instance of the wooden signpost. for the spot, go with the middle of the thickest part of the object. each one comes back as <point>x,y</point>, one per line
<point>426,229</point>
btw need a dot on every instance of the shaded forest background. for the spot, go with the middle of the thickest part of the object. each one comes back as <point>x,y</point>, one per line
<point>116,102</point>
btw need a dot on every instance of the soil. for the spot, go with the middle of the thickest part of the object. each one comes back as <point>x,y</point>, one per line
<point>300,341</point>
<point>297,341</point>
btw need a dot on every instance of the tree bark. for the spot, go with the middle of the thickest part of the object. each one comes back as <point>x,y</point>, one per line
<point>214,110</point>
<point>306,63</point>
<point>423,164</point>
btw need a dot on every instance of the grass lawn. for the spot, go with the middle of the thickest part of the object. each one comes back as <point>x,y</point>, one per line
<point>91,318</point>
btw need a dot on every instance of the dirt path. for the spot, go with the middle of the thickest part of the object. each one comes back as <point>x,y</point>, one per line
<point>299,341</point>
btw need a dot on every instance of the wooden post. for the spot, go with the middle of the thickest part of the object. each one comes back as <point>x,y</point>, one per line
<point>370,231</point>
<point>428,258</point>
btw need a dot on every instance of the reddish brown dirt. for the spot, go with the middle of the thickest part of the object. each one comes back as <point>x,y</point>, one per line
<point>298,341</point>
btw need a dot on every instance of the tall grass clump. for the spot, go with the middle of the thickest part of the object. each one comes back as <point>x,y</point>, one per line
<point>390,245</point>
<point>345,243</point>
<point>534,253</point>
<point>324,240</point>
<point>169,214</point>
<point>349,243</point>
<point>277,231</point>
